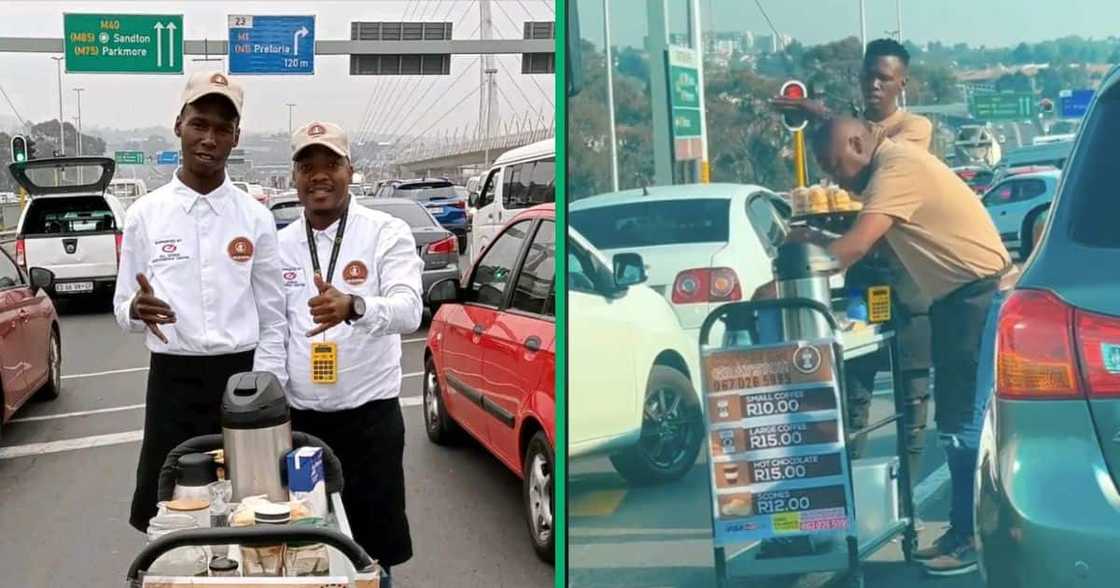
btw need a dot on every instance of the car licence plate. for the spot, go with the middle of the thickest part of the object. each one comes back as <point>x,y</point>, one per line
<point>435,210</point>
<point>74,287</point>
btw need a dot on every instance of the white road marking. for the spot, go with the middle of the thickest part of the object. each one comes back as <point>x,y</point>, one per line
<point>930,486</point>
<point>66,415</point>
<point>144,369</point>
<point>36,449</point>
<point>106,373</point>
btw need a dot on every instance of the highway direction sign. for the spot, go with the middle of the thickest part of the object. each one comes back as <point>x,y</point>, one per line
<point>123,43</point>
<point>276,45</point>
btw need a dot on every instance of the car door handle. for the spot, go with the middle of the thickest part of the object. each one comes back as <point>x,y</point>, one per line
<point>533,344</point>
<point>478,330</point>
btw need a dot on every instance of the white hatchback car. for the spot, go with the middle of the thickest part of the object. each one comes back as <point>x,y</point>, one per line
<point>632,389</point>
<point>704,244</point>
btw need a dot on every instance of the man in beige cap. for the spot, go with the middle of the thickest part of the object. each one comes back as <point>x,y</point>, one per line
<point>200,272</point>
<point>352,279</point>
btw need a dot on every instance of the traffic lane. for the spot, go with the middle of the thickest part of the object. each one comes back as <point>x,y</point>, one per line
<point>661,535</point>
<point>103,367</point>
<point>464,508</point>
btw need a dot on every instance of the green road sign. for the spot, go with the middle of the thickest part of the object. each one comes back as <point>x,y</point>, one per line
<point>129,157</point>
<point>686,123</point>
<point>993,107</point>
<point>684,96</point>
<point>123,43</point>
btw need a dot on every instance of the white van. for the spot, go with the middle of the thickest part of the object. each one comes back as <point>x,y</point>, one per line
<point>71,226</point>
<point>520,178</point>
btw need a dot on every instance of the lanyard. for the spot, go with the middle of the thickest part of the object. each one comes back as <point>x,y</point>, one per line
<point>334,250</point>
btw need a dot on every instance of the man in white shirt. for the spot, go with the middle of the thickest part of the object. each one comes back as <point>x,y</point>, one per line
<point>200,272</point>
<point>352,277</point>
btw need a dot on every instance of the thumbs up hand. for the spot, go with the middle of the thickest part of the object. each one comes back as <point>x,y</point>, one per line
<point>329,308</point>
<point>150,309</point>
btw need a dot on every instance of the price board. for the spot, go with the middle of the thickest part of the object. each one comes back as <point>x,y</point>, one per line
<point>777,459</point>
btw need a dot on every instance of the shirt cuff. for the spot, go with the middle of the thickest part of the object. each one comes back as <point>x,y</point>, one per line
<point>375,317</point>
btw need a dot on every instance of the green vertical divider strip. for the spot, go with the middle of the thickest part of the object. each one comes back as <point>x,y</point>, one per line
<point>560,471</point>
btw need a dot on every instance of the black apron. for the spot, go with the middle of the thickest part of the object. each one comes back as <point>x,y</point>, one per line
<point>369,441</point>
<point>184,400</point>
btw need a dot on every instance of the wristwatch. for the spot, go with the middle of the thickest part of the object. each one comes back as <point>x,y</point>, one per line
<point>357,308</point>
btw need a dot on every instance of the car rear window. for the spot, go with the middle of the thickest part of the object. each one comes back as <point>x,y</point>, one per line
<point>660,222</point>
<point>413,214</point>
<point>62,215</point>
<point>1090,191</point>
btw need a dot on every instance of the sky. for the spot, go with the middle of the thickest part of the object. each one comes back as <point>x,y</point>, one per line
<point>995,23</point>
<point>137,101</point>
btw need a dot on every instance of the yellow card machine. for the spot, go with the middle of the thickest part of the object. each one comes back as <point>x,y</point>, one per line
<point>324,362</point>
<point>879,304</point>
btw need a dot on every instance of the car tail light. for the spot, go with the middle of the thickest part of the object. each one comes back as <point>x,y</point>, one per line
<point>120,240</point>
<point>1098,339</point>
<point>460,204</point>
<point>706,285</point>
<point>444,246</point>
<point>1034,348</point>
<point>21,253</point>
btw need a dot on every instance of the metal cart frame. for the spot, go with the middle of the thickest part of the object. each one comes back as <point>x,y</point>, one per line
<point>358,569</point>
<point>743,316</point>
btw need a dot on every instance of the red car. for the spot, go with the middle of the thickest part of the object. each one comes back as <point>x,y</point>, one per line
<point>490,364</point>
<point>30,338</point>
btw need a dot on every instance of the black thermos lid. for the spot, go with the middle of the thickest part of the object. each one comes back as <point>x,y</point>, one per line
<point>197,469</point>
<point>254,400</point>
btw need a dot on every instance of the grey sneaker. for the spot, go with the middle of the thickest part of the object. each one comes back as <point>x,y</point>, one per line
<point>962,560</point>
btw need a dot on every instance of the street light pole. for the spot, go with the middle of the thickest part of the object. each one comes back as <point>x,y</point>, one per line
<point>61,137</point>
<point>898,16</point>
<point>290,107</point>
<point>79,91</point>
<point>862,28</point>
<point>489,92</point>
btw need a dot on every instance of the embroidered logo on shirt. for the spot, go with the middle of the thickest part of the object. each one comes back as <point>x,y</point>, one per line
<point>355,273</point>
<point>168,251</point>
<point>293,277</point>
<point>169,248</point>
<point>240,249</point>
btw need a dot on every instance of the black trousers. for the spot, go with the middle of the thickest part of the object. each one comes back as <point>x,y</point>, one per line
<point>369,441</point>
<point>184,400</point>
<point>958,326</point>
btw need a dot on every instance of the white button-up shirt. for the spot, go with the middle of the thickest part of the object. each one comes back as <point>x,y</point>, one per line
<point>213,258</point>
<point>377,260</point>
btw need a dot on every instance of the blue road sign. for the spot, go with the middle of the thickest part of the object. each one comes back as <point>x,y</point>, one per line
<point>1074,103</point>
<point>276,45</point>
<point>167,158</point>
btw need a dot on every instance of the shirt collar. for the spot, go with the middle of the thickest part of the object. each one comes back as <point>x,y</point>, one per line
<point>218,200</point>
<point>330,231</point>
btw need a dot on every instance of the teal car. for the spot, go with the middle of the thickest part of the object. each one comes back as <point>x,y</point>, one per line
<point>1047,504</point>
<point>1015,205</point>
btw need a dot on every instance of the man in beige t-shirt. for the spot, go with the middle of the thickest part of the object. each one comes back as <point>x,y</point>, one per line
<point>945,239</point>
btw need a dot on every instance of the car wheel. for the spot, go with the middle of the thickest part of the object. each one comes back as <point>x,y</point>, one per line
<point>53,387</point>
<point>671,431</point>
<point>539,501</point>
<point>441,429</point>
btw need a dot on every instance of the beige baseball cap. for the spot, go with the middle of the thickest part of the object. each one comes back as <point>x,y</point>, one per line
<point>204,83</point>
<point>326,134</point>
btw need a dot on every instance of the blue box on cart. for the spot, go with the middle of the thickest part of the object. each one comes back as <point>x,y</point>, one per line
<point>305,478</point>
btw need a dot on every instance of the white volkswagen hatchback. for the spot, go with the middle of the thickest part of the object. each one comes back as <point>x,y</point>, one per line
<point>704,245</point>
<point>632,389</point>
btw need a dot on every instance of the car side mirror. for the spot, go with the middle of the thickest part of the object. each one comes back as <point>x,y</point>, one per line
<point>41,279</point>
<point>443,292</point>
<point>472,200</point>
<point>629,269</point>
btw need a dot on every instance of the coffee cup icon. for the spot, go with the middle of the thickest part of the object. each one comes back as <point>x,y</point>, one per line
<point>731,474</point>
<point>723,409</point>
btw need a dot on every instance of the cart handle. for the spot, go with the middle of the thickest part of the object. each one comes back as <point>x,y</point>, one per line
<point>332,467</point>
<point>755,305</point>
<point>260,535</point>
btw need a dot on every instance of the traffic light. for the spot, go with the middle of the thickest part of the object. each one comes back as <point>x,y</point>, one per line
<point>795,90</point>
<point>30,148</point>
<point>1046,106</point>
<point>19,149</point>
